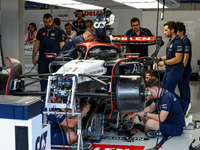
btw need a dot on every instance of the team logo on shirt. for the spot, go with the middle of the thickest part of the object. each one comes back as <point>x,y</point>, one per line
<point>179,48</point>
<point>43,33</point>
<point>164,106</point>
<point>52,34</point>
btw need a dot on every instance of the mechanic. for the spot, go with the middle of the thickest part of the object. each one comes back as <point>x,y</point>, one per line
<point>154,74</point>
<point>69,47</point>
<point>56,131</point>
<point>56,23</point>
<point>30,37</point>
<point>150,74</point>
<point>89,23</point>
<point>79,25</point>
<point>70,33</point>
<point>49,40</point>
<point>137,31</point>
<point>171,120</point>
<point>173,60</point>
<point>183,84</point>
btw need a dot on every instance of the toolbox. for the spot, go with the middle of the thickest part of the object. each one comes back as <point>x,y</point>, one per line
<point>19,107</point>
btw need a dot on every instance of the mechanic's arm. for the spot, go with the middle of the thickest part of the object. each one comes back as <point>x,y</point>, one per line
<point>185,60</point>
<point>163,116</point>
<point>177,59</point>
<point>72,122</point>
<point>160,58</point>
<point>61,44</point>
<point>35,51</point>
<point>149,109</point>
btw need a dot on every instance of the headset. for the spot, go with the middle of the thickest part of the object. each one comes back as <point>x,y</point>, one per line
<point>80,11</point>
<point>34,25</point>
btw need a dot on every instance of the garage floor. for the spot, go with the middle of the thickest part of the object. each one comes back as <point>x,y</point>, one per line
<point>175,143</point>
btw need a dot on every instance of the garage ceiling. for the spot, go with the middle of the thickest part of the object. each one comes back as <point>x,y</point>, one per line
<point>114,5</point>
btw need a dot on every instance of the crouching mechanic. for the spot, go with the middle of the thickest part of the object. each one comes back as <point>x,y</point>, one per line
<point>59,126</point>
<point>69,48</point>
<point>171,115</point>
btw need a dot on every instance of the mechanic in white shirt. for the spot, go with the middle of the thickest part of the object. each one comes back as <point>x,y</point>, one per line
<point>69,32</point>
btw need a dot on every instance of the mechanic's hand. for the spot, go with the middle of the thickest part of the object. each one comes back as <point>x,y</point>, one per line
<point>55,100</point>
<point>141,114</point>
<point>161,63</point>
<point>131,117</point>
<point>34,61</point>
<point>156,59</point>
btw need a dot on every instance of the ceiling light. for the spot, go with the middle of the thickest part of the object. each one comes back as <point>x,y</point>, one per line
<point>141,4</point>
<point>68,3</point>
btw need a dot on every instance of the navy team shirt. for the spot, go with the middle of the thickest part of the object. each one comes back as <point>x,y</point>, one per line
<point>79,25</point>
<point>69,47</point>
<point>173,47</point>
<point>143,50</point>
<point>188,50</point>
<point>168,102</point>
<point>63,33</point>
<point>55,128</point>
<point>49,41</point>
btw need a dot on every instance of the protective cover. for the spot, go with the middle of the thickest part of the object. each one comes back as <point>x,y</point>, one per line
<point>19,107</point>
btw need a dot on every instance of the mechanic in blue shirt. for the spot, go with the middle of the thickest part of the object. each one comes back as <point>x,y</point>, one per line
<point>173,60</point>
<point>79,25</point>
<point>183,84</point>
<point>137,31</point>
<point>49,40</point>
<point>69,48</point>
<point>59,125</point>
<point>56,23</point>
<point>171,120</point>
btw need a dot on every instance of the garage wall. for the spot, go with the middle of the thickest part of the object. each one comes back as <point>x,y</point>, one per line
<point>192,22</point>
<point>121,25</point>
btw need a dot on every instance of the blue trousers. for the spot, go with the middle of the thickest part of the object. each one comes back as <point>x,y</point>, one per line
<point>170,79</point>
<point>183,85</point>
<point>43,68</point>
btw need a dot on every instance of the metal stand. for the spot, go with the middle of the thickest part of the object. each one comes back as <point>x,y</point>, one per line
<point>79,127</point>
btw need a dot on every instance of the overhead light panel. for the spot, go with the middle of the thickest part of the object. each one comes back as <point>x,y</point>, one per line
<point>68,3</point>
<point>148,4</point>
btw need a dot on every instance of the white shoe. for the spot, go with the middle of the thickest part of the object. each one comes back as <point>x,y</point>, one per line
<point>189,108</point>
<point>188,120</point>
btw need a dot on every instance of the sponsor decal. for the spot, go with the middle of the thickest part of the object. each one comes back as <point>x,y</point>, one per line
<point>164,106</point>
<point>116,147</point>
<point>62,15</point>
<point>40,143</point>
<point>135,38</point>
<point>28,49</point>
<point>96,71</point>
<point>179,48</point>
<point>100,24</point>
<point>132,56</point>
<point>136,68</point>
<point>91,13</point>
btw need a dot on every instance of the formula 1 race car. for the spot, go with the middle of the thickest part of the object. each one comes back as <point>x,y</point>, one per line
<point>102,70</point>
